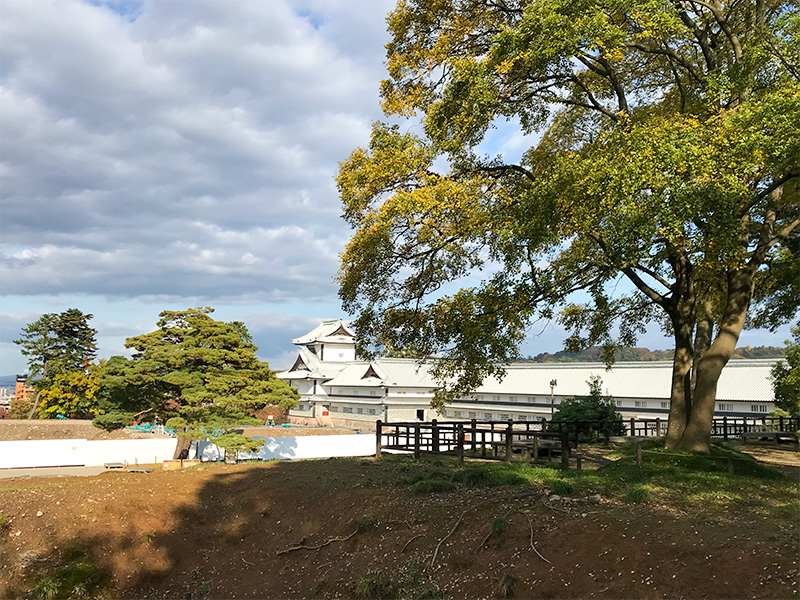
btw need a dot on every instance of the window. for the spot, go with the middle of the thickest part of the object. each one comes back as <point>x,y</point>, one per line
<point>472,415</point>
<point>334,409</point>
<point>762,408</point>
<point>372,411</point>
<point>496,398</point>
<point>372,392</point>
<point>665,405</point>
<point>522,418</point>
<point>487,416</point>
<point>355,392</point>
<point>530,399</point>
<point>504,417</point>
<point>640,404</point>
<point>360,410</point>
<point>347,409</point>
<point>457,414</point>
<point>618,402</point>
<point>725,406</point>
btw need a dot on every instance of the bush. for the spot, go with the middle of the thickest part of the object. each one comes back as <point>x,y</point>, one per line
<point>490,475</point>
<point>19,409</point>
<point>432,486</point>
<point>638,494</point>
<point>562,487</point>
<point>594,407</point>
<point>113,420</point>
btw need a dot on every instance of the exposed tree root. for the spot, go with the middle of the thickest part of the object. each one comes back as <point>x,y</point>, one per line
<point>533,545</point>
<point>322,545</point>
<point>403,549</point>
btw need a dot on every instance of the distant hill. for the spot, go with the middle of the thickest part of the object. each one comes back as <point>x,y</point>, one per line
<point>594,354</point>
<point>8,381</point>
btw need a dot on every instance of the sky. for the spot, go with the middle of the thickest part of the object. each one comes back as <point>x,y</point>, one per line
<point>169,154</point>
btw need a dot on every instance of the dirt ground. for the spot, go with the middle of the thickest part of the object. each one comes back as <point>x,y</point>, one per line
<point>57,429</point>
<point>221,531</point>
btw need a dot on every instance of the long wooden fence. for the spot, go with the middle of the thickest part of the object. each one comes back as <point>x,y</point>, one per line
<point>500,440</point>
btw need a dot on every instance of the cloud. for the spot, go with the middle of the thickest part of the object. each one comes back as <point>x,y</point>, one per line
<point>181,150</point>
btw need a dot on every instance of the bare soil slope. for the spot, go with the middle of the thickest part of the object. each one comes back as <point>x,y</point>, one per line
<point>291,530</point>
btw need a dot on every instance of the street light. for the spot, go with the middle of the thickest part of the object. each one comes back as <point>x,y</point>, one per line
<point>553,384</point>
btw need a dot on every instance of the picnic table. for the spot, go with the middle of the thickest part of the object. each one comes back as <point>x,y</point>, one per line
<point>535,441</point>
<point>777,436</point>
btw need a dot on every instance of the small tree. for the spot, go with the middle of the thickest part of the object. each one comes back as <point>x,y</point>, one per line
<point>72,394</point>
<point>56,344</point>
<point>594,407</point>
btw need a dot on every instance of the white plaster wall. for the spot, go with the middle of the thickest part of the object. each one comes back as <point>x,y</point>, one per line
<point>80,452</point>
<point>310,446</point>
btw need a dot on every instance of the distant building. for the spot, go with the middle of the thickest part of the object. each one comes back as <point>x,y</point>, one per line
<point>22,391</point>
<point>338,389</point>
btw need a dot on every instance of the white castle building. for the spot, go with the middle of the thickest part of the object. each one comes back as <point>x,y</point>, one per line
<point>338,389</point>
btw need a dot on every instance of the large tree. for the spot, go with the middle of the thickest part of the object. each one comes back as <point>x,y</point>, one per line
<point>661,147</point>
<point>57,344</point>
<point>202,373</point>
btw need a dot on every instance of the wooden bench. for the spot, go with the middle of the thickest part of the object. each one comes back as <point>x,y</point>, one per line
<point>776,436</point>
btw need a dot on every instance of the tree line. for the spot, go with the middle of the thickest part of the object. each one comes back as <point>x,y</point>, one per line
<point>192,373</point>
<point>626,353</point>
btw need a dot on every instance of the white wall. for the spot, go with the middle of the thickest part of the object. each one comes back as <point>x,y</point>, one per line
<point>311,446</point>
<point>80,452</point>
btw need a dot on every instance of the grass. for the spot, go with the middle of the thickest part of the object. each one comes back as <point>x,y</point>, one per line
<point>409,581</point>
<point>77,576</point>
<point>685,480</point>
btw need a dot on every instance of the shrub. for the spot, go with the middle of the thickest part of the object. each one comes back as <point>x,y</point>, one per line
<point>19,409</point>
<point>562,487</point>
<point>507,585</point>
<point>594,407</point>
<point>113,420</point>
<point>638,494</point>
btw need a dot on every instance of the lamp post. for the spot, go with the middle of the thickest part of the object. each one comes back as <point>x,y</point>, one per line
<point>553,384</point>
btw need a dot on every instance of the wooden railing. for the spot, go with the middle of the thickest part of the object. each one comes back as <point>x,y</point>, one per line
<point>499,439</point>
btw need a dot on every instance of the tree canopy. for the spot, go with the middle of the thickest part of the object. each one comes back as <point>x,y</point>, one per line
<point>201,373</point>
<point>662,148</point>
<point>57,343</point>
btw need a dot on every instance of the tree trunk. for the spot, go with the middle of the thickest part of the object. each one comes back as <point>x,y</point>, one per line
<point>697,435</point>
<point>680,394</point>
<point>182,447</point>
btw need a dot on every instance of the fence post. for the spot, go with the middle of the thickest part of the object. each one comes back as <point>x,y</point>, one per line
<point>509,439</point>
<point>725,427</point>
<point>633,427</point>
<point>658,426</point>
<point>639,454</point>
<point>564,450</point>
<point>781,424</point>
<point>473,435</point>
<point>378,428</point>
<point>416,440</point>
<point>607,431</point>
<point>460,446</point>
<point>435,436</point>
